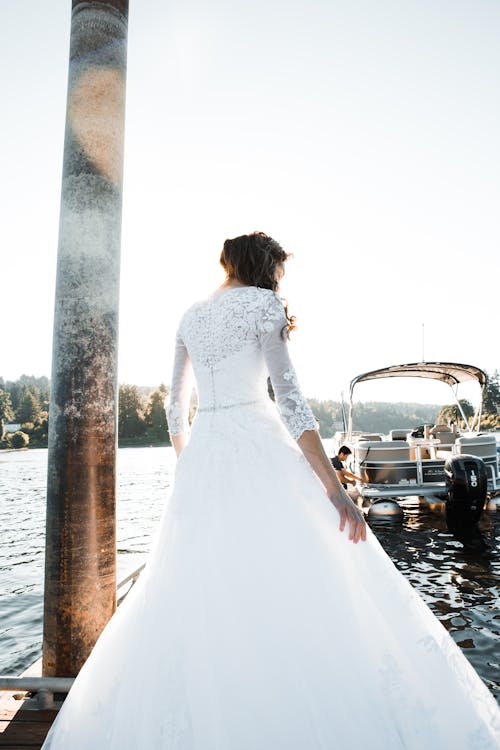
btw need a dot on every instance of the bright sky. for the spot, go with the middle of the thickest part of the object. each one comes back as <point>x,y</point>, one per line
<point>361,135</point>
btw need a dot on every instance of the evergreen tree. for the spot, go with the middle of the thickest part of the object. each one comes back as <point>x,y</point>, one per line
<point>131,422</point>
<point>156,418</point>
<point>16,392</point>
<point>6,411</point>
<point>29,407</point>
<point>491,394</point>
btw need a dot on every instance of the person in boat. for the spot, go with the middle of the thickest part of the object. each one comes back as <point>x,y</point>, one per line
<point>257,619</point>
<point>419,432</point>
<point>345,476</point>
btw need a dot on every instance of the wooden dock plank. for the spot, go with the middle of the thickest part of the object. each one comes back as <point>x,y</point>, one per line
<point>27,716</point>
<point>22,728</point>
<point>22,731</point>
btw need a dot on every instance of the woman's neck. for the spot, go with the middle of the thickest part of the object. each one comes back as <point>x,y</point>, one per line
<point>230,283</point>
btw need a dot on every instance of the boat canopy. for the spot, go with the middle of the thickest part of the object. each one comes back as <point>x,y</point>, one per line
<point>451,373</point>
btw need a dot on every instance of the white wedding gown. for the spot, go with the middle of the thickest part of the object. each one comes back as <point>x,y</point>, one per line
<point>257,625</point>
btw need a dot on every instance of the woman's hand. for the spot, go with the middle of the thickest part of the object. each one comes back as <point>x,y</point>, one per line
<point>349,514</point>
<point>311,446</point>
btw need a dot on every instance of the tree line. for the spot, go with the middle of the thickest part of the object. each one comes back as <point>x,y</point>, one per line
<point>25,402</point>
<point>490,417</point>
<point>142,419</point>
<point>141,415</point>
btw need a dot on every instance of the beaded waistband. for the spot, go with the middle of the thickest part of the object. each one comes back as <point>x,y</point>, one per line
<point>219,407</point>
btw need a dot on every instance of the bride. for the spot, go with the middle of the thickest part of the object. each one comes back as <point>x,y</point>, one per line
<point>257,624</point>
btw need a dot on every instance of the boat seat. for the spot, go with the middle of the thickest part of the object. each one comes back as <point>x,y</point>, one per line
<point>398,434</point>
<point>447,439</point>
<point>439,428</point>
<point>383,450</point>
<point>446,442</point>
<point>370,437</point>
<point>484,446</point>
<point>425,451</point>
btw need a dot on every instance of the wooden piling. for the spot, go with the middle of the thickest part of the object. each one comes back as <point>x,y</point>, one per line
<point>80,568</point>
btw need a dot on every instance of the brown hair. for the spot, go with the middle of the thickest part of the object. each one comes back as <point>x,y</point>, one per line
<point>252,260</point>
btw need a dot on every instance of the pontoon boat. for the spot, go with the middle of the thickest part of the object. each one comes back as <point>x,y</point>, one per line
<point>440,465</point>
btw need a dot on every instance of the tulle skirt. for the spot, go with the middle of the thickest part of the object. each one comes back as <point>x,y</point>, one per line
<point>257,625</point>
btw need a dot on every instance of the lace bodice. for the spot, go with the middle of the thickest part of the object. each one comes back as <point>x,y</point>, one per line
<point>233,340</point>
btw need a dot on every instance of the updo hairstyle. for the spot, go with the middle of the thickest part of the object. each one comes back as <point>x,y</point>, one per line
<point>252,259</point>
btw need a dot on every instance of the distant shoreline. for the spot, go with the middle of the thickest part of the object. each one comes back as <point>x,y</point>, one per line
<point>122,443</point>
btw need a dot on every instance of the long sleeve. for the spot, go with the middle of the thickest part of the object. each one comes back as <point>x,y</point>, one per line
<point>177,408</point>
<point>294,409</point>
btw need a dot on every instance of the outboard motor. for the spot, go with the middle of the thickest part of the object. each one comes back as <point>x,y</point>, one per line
<point>466,484</point>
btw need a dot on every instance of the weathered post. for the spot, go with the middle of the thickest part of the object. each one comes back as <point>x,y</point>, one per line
<point>80,568</point>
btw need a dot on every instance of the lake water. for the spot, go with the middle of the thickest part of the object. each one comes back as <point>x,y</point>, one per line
<point>459,578</point>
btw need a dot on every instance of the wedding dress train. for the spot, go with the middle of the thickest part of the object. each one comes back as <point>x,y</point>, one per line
<point>257,625</point>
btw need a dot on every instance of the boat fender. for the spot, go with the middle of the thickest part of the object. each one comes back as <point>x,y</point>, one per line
<point>385,509</point>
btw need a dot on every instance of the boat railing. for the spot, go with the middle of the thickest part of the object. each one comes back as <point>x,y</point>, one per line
<point>416,453</point>
<point>46,687</point>
<point>426,455</point>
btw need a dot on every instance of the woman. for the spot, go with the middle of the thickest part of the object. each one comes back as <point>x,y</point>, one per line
<point>257,625</point>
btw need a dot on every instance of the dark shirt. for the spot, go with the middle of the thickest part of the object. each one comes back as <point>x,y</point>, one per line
<point>337,464</point>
